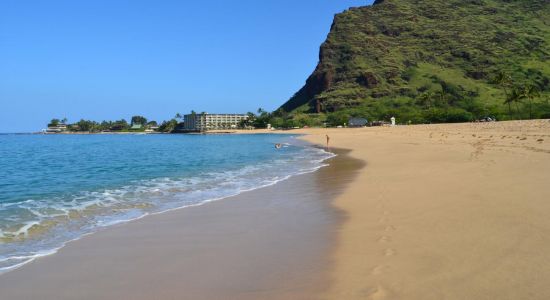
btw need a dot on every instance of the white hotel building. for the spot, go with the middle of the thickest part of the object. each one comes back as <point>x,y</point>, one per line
<point>205,121</point>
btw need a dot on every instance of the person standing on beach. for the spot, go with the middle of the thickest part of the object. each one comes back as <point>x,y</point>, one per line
<point>328,139</point>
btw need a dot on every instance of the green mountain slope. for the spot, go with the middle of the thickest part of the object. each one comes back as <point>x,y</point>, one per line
<point>431,60</point>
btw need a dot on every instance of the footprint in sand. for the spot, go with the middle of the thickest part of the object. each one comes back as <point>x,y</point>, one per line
<point>384,239</point>
<point>379,270</point>
<point>389,252</point>
<point>378,293</point>
<point>390,228</point>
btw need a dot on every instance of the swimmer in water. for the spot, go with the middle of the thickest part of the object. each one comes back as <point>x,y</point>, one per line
<point>277,146</point>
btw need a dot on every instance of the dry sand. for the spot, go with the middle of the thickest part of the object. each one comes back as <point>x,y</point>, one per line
<point>445,212</point>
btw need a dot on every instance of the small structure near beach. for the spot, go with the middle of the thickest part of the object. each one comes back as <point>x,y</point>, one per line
<point>136,127</point>
<point>357,122</point>
<point>57,128</point>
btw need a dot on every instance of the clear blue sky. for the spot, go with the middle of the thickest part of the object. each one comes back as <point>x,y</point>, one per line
<point>111,59</point>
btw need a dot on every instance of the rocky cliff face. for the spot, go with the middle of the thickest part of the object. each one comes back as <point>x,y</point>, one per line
<point>393,51</point>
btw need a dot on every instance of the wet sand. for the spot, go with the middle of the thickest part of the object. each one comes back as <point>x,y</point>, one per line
<point>271,243</point>
<point>451,211</point>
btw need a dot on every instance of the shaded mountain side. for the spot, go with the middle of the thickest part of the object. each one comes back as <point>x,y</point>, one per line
<point>381,59</point>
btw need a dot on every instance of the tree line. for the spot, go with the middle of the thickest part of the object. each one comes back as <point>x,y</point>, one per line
<point>136,123</point>
<point>521,99</point>
<point>175,124</point>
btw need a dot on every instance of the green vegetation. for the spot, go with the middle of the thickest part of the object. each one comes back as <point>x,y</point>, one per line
<point>57,122</point>
<point>138,120</point>
<point>139,123</point>
<point>168,126</point>
<point>259,120</point>
<point>278,119</point>
<point>430,61</point>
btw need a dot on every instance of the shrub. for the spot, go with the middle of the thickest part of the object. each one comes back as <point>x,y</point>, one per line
<point>338,118</point>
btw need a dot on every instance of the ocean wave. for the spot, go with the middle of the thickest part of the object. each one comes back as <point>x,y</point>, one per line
<point>39,227</point>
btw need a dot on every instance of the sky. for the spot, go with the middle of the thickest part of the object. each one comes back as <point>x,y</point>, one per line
<point>112,59</point>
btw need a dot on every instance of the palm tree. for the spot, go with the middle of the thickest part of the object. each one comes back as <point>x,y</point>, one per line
<point>530,92</point>
<point>505,81</point>
<point>510,98</point>
<point>178,116</point>
<point>515,97</point>
<point>251,119</point>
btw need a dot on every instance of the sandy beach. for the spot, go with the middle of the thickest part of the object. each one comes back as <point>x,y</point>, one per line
<point>455,211</point>
<point>445,212</point>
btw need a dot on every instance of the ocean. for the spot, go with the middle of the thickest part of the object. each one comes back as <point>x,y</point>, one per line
<point>58,188</point>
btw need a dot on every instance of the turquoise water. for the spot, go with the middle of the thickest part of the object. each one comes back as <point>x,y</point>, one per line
<point>57,188</point>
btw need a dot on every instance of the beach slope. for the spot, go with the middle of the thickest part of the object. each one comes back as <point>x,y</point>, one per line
<point>445,212</point>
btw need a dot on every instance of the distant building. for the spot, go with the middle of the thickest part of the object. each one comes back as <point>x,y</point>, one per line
<point>136,127</point>
<point>151,128</point>
<point>57,129</point>
<point>205,121</point>
<point>357,122</point>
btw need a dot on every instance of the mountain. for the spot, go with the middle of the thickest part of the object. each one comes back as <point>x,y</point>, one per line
<point>432,60</point>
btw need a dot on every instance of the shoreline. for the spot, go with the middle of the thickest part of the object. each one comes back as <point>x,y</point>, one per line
<point>228,131</point>
<point>14,260</point>
<point>219,237</point>
<point>454,211</point>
